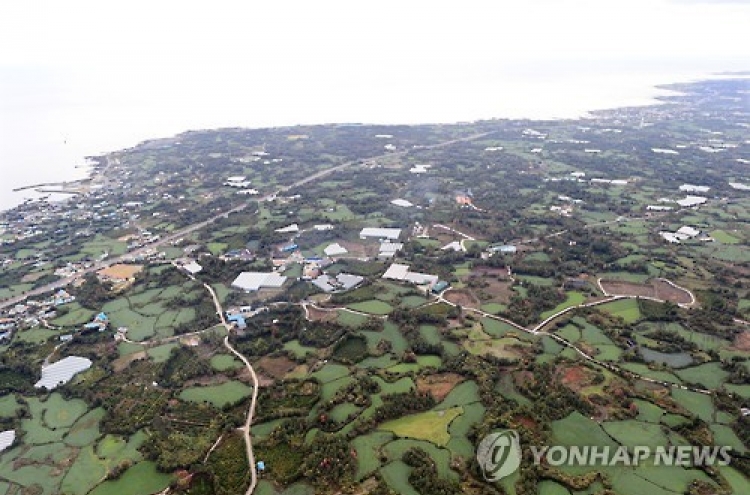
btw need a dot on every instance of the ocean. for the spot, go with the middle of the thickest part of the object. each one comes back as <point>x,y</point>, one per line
<point>49,122</point>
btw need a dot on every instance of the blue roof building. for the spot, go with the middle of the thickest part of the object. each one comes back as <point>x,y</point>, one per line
<point>238,319</point>
<point>261,466</point>
<point>102,317</point>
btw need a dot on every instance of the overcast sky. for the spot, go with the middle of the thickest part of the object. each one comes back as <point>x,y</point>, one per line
<point>317,55</point>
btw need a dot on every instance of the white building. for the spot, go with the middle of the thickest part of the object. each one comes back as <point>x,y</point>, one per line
<point>401,272</point>
<point>192,268</point>
<point>389,249</point>
<point>62,371</point>
<point>694,189</point>
<point>688,231</point>
<point>402,203</point>
<point>288,229</point>
<point>335,250</point>
<point>6,439</point>
<point>419,169</point>
<point>380,233</point>
<point>691,201</point>
<point>253,281</point>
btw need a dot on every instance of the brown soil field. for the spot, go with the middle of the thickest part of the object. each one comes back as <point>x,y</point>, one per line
<point>463,297</point>
<point>575,377</point>
<point>121,271</point>
<point>658,289</point>
<point>438,385</point>
<point>359,249</point>
<point>276,367</point>
<point>318,315</point>
<point>742,341</point>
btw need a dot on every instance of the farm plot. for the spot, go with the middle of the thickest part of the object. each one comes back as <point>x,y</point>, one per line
<point>655,288</point>
<point>627,309</point>
<point>431,425</point>
<point>218,395</point>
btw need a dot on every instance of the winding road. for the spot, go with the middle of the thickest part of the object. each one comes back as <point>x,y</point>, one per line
<point>245,429</point>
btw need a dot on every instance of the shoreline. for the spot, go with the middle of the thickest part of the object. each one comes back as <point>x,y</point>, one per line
<point>658,94</point>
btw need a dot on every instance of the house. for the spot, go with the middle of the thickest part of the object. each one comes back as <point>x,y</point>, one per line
<point>288,229</point>
<point>335,249</point>
<point>342,282</point>
<point>440,286</point>
<point>253,281</point>
<point>389,249</point>
<point>238,320</point>
<point>401,272</point>
<point>192,268</point>
<point>380,233</point>
<point>504,249</point>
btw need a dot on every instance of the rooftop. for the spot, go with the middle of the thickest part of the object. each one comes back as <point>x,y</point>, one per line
<point>62,371</point>
<point>252,281</point>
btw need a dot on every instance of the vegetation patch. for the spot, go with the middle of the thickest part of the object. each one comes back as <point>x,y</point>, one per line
<point>230,392</point>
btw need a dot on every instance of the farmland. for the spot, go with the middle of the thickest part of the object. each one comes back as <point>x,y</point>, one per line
<point>387,385</point>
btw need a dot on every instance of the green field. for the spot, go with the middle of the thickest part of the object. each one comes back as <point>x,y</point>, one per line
<point>218,395</point>
<point>627,309</point>
<point>137,480</point>
<point>225,362</point>
<point>431,425</point>
<point>374,307</point>
<point>571,299</point>
<point>724,238</point>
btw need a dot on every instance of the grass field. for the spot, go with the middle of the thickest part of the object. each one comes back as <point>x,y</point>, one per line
<point>218,395</point>
<point>374,307</point>
<point>709,375</point>
<point>349,319</point>
<point>695,403</point>
<point>441,456</point>
<point>571,299</point>
<point>724,238</point>
<point>137,480</point>
<point>627,309</point>
<point>396,475</point>
<point>225,362</point>
<point>367,448</point>
<point>577,429</point>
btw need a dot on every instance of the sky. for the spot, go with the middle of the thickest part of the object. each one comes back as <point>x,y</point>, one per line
<point>295,61</point>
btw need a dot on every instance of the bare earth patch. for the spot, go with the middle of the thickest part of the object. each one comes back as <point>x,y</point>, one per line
<point>463,298</point>
<point>575,377</point>
<point>318,315</point>
<point>276,367</point>
<point>438,385</point>
<point>658,289</point>
<point>742,341</point>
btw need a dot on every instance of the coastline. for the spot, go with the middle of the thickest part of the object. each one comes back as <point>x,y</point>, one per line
<point>648,94</point>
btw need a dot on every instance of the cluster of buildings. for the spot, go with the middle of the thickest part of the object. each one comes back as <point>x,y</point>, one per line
<point>32,313</point>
